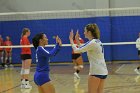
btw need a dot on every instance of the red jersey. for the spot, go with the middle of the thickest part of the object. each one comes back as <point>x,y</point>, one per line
<point>1,44</point>
<point>74,41</point>
<point>25,41</point>
<point>8,43</point>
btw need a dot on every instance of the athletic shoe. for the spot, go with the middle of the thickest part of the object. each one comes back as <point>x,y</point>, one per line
<point>76,75</point>
<point>137,71</point>
<point>25,84</point>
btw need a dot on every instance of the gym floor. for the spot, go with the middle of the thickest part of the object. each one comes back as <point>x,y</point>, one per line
<point>121,79</point>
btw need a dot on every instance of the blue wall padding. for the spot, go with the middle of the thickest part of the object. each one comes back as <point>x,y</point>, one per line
<point>113,29</point>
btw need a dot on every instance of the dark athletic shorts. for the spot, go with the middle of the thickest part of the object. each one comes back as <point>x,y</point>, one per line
<point>100,76</point>
<point>25,56</point>
<point>75,56</point>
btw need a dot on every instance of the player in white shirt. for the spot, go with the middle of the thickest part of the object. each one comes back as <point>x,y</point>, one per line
<point>94,48</point>
<point>137,70</point>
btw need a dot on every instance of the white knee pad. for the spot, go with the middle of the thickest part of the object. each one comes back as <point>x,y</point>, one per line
<point>10,59</point>
<point>22,71</point>
<point>81,66</point>
<point>75,67</point>
<point>2,58</point>
<point>26,71</point>
<point>6,58</point>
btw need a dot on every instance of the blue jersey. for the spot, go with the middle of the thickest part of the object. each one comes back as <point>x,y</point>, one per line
<point>43,57</point>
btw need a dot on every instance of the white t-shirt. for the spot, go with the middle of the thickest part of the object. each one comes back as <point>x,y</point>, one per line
<point>95,52</point>
<point>138,43</point>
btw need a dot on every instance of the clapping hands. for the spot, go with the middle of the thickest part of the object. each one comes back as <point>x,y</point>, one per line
<point>58,40</point>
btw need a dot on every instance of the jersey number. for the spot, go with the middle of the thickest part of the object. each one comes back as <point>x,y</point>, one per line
<point>36,58</point>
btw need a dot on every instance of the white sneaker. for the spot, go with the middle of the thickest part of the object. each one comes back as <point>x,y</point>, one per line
<point>76,75</point>
<point>27,85</point>
<point>5,66</point>
<point>137,71</point>
<point>22,83</point>
<point>22,86</point>
<point>11,65</point>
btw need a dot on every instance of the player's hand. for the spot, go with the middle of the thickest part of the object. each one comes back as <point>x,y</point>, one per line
<point>71,37</point>
<point>58,40</point>
<point>77,36</point>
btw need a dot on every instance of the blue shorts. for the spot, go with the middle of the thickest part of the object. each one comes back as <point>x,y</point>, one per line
<point>41,78</point>
<point>100,76</point>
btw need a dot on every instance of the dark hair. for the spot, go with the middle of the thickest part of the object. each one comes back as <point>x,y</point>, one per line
<point>36,39</point>
<point>24,31</point>
<point>93,28</point>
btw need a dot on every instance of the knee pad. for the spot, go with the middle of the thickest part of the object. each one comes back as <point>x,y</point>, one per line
<point>81,66</point>
<point>6,58</point>
<point>22,71</point>
<point>75,67</point>
<point>10,58</point>
<point>26,71</point>
<point>2,58</point>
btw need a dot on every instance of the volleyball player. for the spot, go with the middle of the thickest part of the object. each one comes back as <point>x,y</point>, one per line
<point>1,51</point>
<point>41,76</point>
<point>77,59</point>
<point>137,70</point>
<point>8,51</point>
<point>26,58</point>
<point>98,70</point>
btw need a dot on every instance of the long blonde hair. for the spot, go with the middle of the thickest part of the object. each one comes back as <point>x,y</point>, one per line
<point>94,29</point>
<point>24,31</point>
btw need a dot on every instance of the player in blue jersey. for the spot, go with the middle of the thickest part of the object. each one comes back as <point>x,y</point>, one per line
<point>41,76</point>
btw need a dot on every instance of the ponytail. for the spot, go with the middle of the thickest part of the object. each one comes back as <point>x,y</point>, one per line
<point>93,28</point>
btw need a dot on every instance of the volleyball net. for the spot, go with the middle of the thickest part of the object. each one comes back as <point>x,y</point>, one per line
<point>119,29</point>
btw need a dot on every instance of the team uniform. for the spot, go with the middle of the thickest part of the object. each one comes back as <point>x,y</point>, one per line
<point>1,44</point>
<point>25,54</point>
<point>25,51</point>
<point>41,75</point>
<point>137,70</point>
<point>77,60</point>
<point>1,52</point>
<point>8,43</point>
<point>77,55</point>
<point>96,59</point>
<point>8,51</point>
<point>138,45</point>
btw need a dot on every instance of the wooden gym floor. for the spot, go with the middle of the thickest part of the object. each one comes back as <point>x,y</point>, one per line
<point>121,79</point>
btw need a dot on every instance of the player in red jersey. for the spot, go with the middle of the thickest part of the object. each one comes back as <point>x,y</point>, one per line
<point>26,58</point>
<point>77,59</point>
<point>8,51</point>
<point>1,51</point>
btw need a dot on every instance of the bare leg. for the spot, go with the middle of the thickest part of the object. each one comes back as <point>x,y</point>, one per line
<point>27,65</point>
<point>48,88</point>
<point>22,75</point>
<point>40,90</point>
<point>79,62</point>
<point>6,57</point>
<point>101,86</point>
<point>93,84</point>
